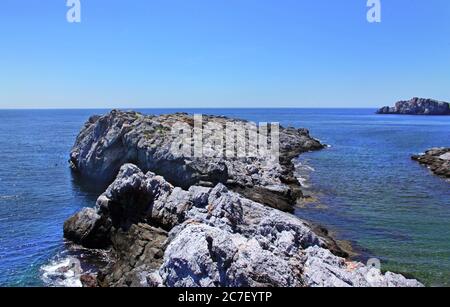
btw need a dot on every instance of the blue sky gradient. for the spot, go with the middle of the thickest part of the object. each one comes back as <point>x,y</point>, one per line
<point>222,53</point>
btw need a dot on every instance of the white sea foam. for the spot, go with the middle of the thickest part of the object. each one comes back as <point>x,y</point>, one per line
<point>302,173</point>
<point>300,167</point>
<point>62,272</point>
<point>303,182</point>
<point>309,168</point>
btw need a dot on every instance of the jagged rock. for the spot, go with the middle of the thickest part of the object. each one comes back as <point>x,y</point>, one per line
<point>418,106</point>
<point>437,160</point>
<point>215,237</point>
<point>205,256</point>
<point>107,142</point>
<point>323,269</point>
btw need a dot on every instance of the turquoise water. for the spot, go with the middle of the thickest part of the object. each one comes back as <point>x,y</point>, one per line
<point>368,190</point>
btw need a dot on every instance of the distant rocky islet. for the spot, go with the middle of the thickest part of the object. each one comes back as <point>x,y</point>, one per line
<point>417,106</point>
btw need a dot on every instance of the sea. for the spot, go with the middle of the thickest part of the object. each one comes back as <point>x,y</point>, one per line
<point>364,187</point>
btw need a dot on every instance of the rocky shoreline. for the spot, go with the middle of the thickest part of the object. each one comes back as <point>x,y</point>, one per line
<point>201,222</point>
<point>437,160</point>
<point>418,106</point>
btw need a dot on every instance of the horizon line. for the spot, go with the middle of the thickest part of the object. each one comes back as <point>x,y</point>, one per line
<point>176,108</point>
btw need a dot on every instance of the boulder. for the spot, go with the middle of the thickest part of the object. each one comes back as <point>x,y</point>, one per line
<point>88,228</point>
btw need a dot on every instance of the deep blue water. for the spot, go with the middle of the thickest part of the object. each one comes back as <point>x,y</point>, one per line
<point>367,188</point>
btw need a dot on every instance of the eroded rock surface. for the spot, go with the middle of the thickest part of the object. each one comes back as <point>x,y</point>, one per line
<point>323,269</point>
<point>437,160</point>
<point>161,235</point>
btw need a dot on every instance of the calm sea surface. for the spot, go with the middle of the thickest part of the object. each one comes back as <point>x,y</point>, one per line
<point>365,187</point>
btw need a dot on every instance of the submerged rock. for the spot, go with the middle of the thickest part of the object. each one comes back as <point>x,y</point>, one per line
<point>437,160</point>
<point>162,235</point>
<point>107,142</point>
<point>418,106</point>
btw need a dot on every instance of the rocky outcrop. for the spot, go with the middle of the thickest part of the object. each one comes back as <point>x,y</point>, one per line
<point>323,269</point>
<point>161,235</point>
<point>88,228</point>
<point>418,106</point>
<point>437,160</point>
<point>107,142</point>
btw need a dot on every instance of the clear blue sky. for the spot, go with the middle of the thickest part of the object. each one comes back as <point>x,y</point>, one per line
<point>222,53</point>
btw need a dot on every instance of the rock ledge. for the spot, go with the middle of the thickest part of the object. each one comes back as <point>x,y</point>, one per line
<point>437,160</point>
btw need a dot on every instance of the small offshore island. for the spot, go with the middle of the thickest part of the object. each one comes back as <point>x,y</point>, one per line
<point>417,106</point>
<point>166,221</point>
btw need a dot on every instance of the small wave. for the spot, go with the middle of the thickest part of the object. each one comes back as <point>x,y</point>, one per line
<point>303,182</point>
<point>8,197</point>
<point>303,172</point>
<point>62,272</point>
<point>303,167</point>
<point>309,168</point>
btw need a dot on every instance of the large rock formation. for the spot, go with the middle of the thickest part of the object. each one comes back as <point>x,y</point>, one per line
<point>437,160</point>
<point>184,221</point>
<point>162,235</point>
<point>418,106</point>
<point>107,142</point>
